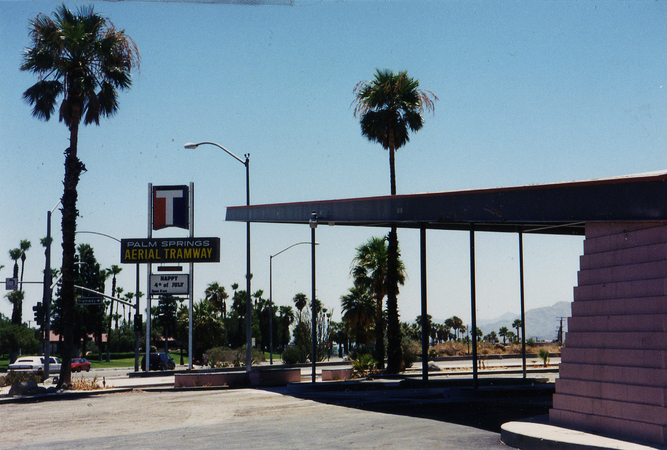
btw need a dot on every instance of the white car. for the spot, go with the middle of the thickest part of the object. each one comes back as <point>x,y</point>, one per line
<point>34,364</point>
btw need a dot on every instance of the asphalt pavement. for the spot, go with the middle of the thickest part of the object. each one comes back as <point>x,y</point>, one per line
<point>447,412</point>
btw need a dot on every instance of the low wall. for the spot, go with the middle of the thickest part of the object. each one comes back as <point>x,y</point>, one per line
<point>336,374</point>
<point>238,379</point>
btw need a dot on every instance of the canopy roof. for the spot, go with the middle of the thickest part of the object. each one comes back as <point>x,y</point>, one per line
<point>557,208</point>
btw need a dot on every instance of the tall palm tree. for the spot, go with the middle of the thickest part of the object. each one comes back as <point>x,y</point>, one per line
<point>84,59</point>
<point>300,301</point>
<point>390,108</point>
<point>286,319</point>
<point>502,332</point>
<point>24,246</point>
<point>457,324</point>
<point>114,270</point>
<point>517,324</point>
<point>217,295</point>
<point>128,298</point>
<point>258,296</point>
<point>369,269</point>
<point>17,309</point>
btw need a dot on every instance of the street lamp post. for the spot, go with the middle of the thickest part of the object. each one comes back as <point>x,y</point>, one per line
<point>313,326</point>
<point>48,293</point>
<point>248,275</point>
<point>271,296</point>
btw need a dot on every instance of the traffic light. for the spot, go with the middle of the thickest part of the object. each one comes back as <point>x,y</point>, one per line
<point>137,322</point>
<point>39,313</point>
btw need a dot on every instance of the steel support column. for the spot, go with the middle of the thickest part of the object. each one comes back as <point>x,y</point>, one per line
<point>426,322</point>
<point>473,307</point>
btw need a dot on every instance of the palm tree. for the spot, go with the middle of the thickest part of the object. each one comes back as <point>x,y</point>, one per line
<point>17,310</point>
<point>286,319</point>
<point>300,301</point>
<point>128,298</point>
<point>117,316</point>
<point>516,325</point>
<point>217,295</point>
<point>457,324</point>
<point>390,107</point>
<point>113,271</point>
<point>258,296</point>
<point>83,58</point>
<point>369,269</point>
<point>503,333</point>
<point>25,246</point>
<point>359,310</point>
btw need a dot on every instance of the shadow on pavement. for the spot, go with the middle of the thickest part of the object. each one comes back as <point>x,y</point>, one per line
<point>493,403</point>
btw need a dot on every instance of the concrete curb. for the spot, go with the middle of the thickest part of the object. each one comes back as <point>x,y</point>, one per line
<point>538,434</point>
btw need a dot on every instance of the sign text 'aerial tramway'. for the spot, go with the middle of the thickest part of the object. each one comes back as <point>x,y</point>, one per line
<point>170,250</point>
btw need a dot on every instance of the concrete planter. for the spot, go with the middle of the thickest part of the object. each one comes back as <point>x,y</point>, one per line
<point>238,379</point>
<point>336,374</point>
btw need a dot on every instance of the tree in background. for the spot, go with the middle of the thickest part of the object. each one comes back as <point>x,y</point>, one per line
<point>502,332</point>
<point>359,314</point>
<point>300,302</point>
<point>389,108</point>
<point>517,324</point>
<point>369,269</point>
<point>217,295</point>
<point>84,59</point>
<point>208,330</point>
<point>17,303</point>
<point>286,319</point>
<point>167,309</point>
<point>24,247</point>
<point>16,336</point>
<point>89,319</point>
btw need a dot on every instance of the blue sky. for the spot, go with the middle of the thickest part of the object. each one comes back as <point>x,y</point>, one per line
<point>530,92</point>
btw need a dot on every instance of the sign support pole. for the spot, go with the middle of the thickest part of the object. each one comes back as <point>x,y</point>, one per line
<point>148,282</point>
<point>192,275</point>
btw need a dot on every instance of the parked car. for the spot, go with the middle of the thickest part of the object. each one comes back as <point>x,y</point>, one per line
<point>79,364</point>
<point>34,364</point>
<point>159,361</point>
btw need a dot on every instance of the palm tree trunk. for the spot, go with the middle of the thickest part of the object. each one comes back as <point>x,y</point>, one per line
<point>394,351</point>
<point>73,169</point>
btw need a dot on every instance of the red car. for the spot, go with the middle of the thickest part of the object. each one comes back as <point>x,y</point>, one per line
<point>79,364</point>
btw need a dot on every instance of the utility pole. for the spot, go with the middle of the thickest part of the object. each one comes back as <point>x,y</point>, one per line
<point>560,331</point>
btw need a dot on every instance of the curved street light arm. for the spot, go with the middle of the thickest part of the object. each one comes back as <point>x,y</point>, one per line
<point>192,146</point>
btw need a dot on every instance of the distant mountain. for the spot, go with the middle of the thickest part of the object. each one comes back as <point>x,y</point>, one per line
<point>541,323</point>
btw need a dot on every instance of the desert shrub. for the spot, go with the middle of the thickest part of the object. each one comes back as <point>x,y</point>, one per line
<point>219,357</point>
<point>451,348</point>
<point>411,351</point>
<point>530,342</point>
<point>543,354</point>
<point>231,357</point>
<point>363,364</point>
<point>514,349</point>
<point>292,355</point>
<point>363,349</point>
<point>500,347</point>
<point>17,377</point>
<point>81,384</point>
<point>433,353</point>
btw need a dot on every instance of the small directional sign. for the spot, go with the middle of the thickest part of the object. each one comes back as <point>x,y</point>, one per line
<point>169,283</point>
<point>11,284</point>
<point>89,301</point>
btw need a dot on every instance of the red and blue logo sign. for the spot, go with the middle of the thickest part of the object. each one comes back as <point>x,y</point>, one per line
<point>170,207</point>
